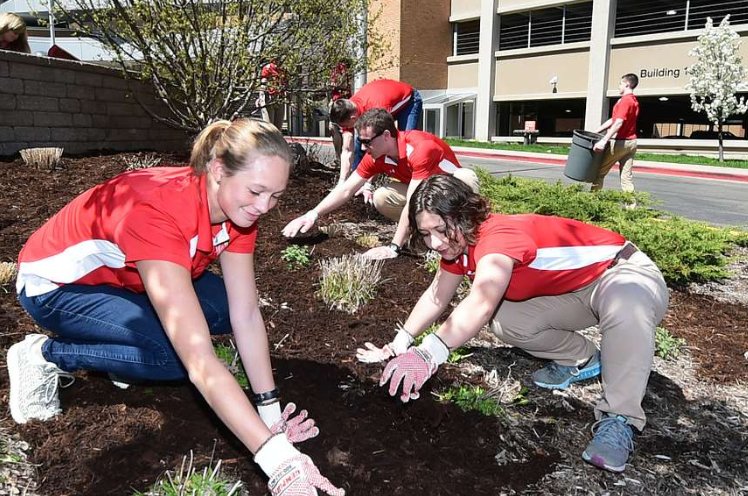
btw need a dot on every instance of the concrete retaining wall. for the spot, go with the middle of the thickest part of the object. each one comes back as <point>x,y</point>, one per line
<point>79,106</point>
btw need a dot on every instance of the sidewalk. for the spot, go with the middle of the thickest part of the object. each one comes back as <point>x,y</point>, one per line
<point>640,166</point>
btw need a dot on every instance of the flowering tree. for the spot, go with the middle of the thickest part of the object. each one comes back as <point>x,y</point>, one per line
<point>204,57</point>
<point>716,75</point>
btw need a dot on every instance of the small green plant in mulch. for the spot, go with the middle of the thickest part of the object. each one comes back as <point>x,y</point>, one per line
<point>141,161</point>
<point>368,240</point>
<point>348,282</point>
<point>229,355</point>
<point>684,250</point>
<point>431,261</point>
<point>296,257</point>
<point>8,273</point>
<point>472,398</point>
<point>455,356</point>
<point>189,481</point>
<point>667,346</point>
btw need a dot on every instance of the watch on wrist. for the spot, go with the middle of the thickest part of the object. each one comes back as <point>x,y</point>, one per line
<point>394,247</point>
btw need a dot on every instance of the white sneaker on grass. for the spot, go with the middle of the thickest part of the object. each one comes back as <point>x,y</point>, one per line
<point>33,381</point>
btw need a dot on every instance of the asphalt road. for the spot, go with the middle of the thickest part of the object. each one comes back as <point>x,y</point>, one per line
<point>715,201</point>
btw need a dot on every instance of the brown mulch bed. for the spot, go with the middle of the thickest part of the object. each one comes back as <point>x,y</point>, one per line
<point>108,441</point>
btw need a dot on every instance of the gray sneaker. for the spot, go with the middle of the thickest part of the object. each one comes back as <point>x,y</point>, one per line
<point>555,376</point>
<point>33,381</point>
<point>611,445</point>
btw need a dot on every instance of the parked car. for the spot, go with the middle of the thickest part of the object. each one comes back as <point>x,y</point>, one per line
<point>712,135</point>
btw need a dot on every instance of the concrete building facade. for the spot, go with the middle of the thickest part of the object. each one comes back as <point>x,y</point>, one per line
<point>558,64</point>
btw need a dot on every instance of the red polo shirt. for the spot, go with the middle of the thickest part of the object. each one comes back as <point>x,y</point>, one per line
<point>553,255</point>
<point>421,155</point>
<point>159,213</point>
<point>391,95</point>
<point>627,109</point>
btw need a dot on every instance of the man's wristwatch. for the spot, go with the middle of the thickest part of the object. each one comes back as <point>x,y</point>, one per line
<point>394,247</point>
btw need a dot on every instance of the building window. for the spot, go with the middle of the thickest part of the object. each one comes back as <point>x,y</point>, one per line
<point>467,37</point>
<point>543,27</point>
<point>640,17</point>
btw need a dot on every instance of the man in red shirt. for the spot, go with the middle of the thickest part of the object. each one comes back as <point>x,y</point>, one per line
<point>622,127</point>
<point>272,94</point>
<point>408,157</point>
<point>399,99</point>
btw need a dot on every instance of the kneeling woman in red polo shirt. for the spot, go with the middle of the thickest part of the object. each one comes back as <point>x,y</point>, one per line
<point>119,275</point>
<point>536,279</point>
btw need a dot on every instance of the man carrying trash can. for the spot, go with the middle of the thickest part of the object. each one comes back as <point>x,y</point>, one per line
<point>622,127</point>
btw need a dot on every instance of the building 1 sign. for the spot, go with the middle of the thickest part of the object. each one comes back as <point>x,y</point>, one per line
<point>662,72</point>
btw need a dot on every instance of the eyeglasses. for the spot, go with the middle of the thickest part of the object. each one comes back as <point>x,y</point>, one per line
<point>367,142</point>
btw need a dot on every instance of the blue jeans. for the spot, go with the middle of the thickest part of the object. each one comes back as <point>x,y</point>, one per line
<point>408,118</point>
<point>114,330</point>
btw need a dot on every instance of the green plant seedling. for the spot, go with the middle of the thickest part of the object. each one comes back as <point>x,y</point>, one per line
<point>230,356</point>
<point>472,398</point>
<point>667,346</point>
<point>367,240</point>
<point>296,257</point>
<point>431,261</point>
<point>208,482</point>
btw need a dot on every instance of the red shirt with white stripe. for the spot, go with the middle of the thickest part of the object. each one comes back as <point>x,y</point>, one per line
<point>391,95</point>
<point>552,255</point>
<point>160,213</point>
<point>421,155</point>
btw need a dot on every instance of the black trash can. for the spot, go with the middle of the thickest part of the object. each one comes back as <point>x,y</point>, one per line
<point>583,163</point>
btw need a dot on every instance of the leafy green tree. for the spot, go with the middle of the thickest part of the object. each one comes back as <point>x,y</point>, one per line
<point>204,58</point>
<point>716,75</point>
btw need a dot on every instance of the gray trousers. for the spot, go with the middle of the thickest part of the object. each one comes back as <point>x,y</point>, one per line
<point>627,302</point>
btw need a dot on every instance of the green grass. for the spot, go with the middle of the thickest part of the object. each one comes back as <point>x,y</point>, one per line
<point>564,150</point>
<point>207,482</point>
<point>348,282</point>
<point>230,356</point>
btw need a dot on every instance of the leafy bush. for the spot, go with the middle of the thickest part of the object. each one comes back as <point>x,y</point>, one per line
<point>296,257</point>
<point>472,398</point>
<point>208,482</point>
<point>684,250</point>
<point>230,356</point>
<point>667,346</point>
<point>348,282</point>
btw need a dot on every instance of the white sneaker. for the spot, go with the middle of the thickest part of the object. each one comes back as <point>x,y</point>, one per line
<point>33,381</point>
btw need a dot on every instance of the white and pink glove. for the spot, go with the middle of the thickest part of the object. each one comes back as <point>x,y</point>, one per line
<point>398,346</point>
<point>414,367</point>
<point>297,429</point>
<point>291,473</point>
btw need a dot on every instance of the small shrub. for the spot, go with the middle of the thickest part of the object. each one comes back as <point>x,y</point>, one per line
<point>667,346</point>
<point>145,161</point>
<point>8,272</point>
<point>348,282</point>
<point>42,158</point>
<point>367,240</point>
<point>230,356</point>
<point>472,398</point>
<point>296,257</point>
<point>208,482</point>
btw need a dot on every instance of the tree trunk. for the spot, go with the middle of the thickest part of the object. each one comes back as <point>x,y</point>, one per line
<point>721,144</point>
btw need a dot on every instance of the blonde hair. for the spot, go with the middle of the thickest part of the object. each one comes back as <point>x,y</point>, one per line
<point>236,143</point>
<point>13,22</point>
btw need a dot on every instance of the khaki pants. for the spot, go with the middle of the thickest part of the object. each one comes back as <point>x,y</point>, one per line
<point>621,151</point>
<point>627,302</point>
<point>389,200</point>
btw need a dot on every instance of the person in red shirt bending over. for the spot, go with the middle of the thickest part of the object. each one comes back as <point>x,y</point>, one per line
<point>399,99</point>
<point>536,280</point>
<point>119,275</point>
<point>621,128</point>
<point>271,99</point>
<point>408,157</point>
